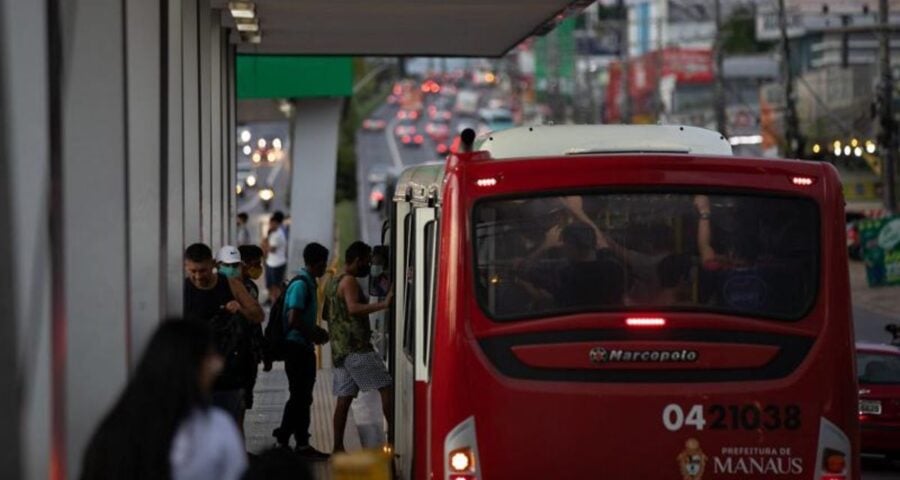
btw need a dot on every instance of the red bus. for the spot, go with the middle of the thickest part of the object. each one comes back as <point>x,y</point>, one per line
<point>621,302</point>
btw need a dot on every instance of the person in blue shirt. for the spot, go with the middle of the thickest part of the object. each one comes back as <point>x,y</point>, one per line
<point>300,310</point>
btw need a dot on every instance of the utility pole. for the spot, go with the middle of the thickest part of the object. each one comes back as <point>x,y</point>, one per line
<point>719,88</point>
<point>624,46</point>
<point>792,135</point>
<point>660,64</point>
<point>591,115</point>
<point>888,135</point>
<point>553,77</point>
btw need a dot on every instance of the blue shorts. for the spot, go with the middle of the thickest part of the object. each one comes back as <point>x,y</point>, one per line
<point>275,276</point>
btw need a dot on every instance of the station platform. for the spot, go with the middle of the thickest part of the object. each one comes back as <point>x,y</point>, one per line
<point>270,395</point>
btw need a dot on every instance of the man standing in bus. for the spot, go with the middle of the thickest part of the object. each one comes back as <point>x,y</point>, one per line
<point>357,365</point>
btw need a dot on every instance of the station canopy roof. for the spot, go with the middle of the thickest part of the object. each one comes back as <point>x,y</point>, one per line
<point>464,28</point>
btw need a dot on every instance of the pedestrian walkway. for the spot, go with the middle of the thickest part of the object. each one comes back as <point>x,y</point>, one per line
<point>270,395</point>
<point>881,300</point>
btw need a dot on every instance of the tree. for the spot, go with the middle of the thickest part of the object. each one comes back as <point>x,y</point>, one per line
<point>739,33</point>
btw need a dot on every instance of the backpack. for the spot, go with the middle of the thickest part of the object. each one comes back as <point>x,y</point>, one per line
<point>277,328</point>
<point>228,332</point>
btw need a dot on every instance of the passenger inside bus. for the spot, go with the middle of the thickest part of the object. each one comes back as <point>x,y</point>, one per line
<point>616,251</point>
<point>674,274</point>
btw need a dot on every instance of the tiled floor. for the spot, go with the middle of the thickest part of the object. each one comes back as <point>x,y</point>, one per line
<point>270,395</point>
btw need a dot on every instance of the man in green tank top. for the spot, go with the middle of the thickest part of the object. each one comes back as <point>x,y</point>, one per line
<point>356,364</point>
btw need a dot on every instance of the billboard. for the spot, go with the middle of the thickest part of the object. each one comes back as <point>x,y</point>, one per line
<point>687,66</point>
<point>880,241</point>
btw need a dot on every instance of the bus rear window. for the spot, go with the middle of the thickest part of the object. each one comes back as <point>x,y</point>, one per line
<point>743,254</point>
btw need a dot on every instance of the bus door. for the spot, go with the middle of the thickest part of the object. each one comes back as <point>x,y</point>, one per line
<point>415,275</point>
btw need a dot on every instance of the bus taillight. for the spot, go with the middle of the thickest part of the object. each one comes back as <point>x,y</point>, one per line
<point>462,461</point>
<point>645,322</point>
<point>834,456</point>
<point>461,452</point>
<point>835,462</point>
<point>486,182</point>
<point>802,181</point>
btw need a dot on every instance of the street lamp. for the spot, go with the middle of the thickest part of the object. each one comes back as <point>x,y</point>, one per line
<point>266,195</point>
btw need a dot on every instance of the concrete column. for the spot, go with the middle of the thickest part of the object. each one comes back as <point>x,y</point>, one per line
<point>95,215</point>
<point>174,197</point>
<point>190,78</point>
<point>205,52</point>
<point>230,128</point>
<point>144,170</point>
<point>25,437</point>
<point>313,168</point>
<point>215,112</point>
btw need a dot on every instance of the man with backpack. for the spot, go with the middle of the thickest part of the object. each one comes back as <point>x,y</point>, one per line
<point>218,297</point>
<point>296,312</point>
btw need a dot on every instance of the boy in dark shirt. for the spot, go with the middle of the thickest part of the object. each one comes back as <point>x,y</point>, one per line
<point>217,298</point>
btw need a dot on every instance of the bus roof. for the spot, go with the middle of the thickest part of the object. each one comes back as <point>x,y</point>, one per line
<point>562,140</point>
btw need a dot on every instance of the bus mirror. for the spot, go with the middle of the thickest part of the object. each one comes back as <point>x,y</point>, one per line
<point>379,279</point>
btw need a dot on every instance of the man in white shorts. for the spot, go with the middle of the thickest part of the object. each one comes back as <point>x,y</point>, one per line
<point>357,365</point>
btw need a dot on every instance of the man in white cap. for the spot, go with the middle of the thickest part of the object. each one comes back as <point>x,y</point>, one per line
<point>239,361</point>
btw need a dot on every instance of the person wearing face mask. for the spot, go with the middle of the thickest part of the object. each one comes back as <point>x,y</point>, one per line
<point>163,426</point>
<point>358,367</point>
<point>251,270</point>
<point>218,298</point>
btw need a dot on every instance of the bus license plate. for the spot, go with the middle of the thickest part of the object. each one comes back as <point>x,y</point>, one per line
<point>870,407</point>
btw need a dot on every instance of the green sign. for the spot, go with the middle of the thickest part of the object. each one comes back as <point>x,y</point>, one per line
<point>880,240</point>
<point>554,58</point>
<point>292,76</point>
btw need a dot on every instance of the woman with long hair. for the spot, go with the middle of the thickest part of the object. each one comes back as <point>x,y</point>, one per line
<point>162,427</point>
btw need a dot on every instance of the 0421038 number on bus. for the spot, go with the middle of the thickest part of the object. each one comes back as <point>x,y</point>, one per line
<point>732,417</point>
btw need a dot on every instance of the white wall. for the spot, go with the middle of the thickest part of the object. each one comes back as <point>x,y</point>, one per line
<point>173,179</point>
<point>95,212</point>
<point>145,216</point>
<point>94,219</point>
<point>24,245</point>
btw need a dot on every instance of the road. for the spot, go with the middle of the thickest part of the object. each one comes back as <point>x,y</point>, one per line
<point>381,148</point>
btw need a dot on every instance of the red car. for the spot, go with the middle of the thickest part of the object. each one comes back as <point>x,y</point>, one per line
<point>408,114</point>
<point>412,140</point>
<point>404,129</point>
<point>373,124</point>
<point>439,132</point>
<point>442,149</point>
<point>878,368</point>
